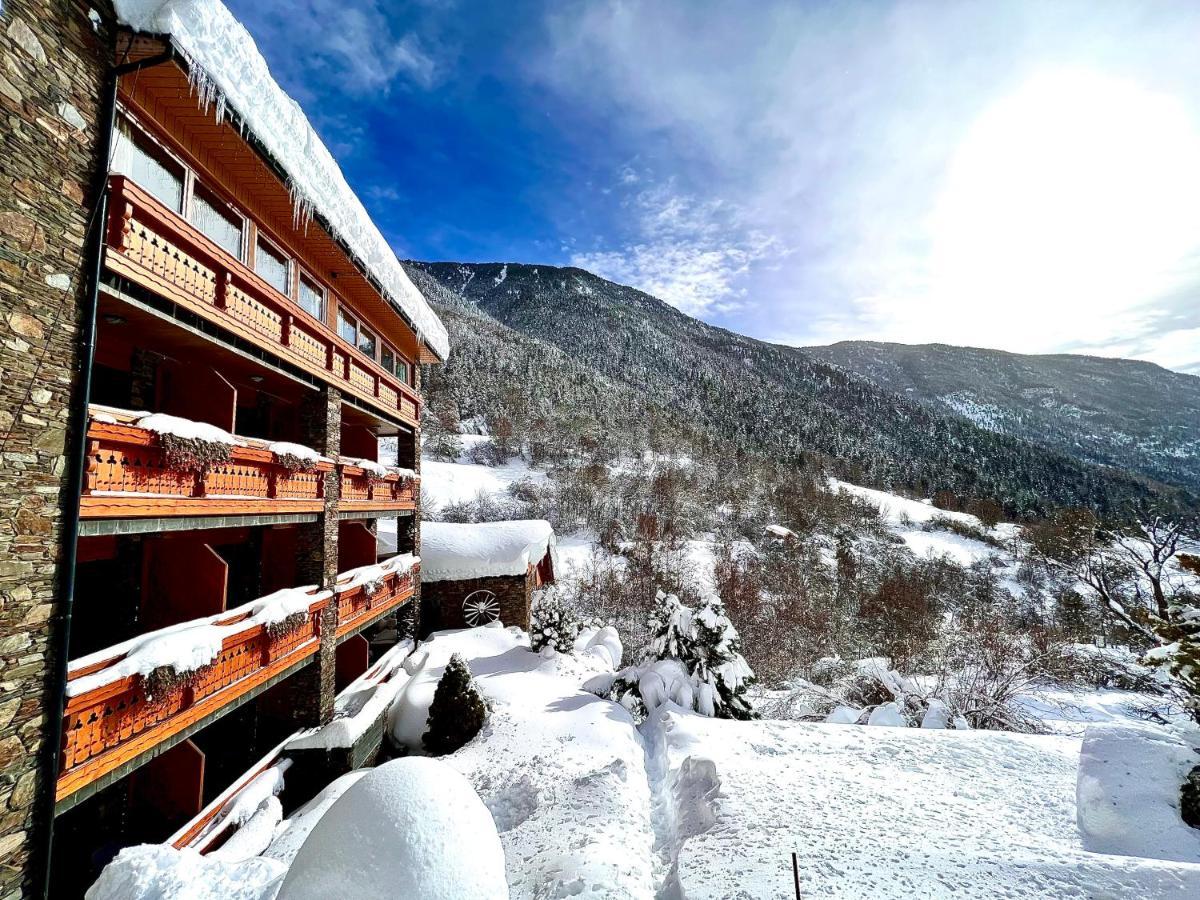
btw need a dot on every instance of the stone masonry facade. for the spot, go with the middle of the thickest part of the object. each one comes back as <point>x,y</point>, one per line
<point>514,593</point>
<point>52,69</point>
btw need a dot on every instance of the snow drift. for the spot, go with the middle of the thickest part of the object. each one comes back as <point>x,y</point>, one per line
<point>413,825</point>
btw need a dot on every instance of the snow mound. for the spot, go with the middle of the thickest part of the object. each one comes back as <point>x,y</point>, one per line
<point>451,551</point>
<point>1127,794</point>
<point>157,871</point>
<point>229,69</point>
<point>300,451</point>
<point>413,825</point>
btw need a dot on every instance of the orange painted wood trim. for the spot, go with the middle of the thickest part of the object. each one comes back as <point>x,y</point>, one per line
<point>126,193</point>
<point>71,781</point>
<point>94,767</point>
<point>135,506</point>
<point>376,505</point>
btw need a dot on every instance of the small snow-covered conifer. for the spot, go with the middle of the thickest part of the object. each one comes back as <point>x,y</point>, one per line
<point>458,710</point>
<point>696,662</point>
<point>553,624</point>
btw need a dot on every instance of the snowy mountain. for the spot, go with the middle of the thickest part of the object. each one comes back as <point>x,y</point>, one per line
<point>620,359</point>
<point>1117,412</point>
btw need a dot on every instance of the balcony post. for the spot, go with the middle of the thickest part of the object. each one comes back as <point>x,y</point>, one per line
<point>317,560</point>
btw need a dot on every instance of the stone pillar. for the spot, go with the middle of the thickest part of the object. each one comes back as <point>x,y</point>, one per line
<point>52,69</point>
<point>317,557</point>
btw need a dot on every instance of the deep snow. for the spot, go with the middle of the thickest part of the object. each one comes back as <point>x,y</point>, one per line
<point>883,812</point>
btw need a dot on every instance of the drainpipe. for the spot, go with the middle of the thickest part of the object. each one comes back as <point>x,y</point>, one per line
<point>77,451</point>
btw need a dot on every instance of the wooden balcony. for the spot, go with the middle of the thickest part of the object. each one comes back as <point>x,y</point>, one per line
<point>366,602</point>
<point>111,724</point>
<point>367,491</point>
<point>157,249</point>
<point>128,476</point>
<point>116,721</point>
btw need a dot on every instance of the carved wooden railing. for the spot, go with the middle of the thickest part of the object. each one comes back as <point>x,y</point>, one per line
<point>360,604</point>
<point>111,724</point>
<point>154,247</point>
<point>128,476</point>
<point>366,490</point>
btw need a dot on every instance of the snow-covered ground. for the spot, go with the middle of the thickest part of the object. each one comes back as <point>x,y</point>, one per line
<point>443,483</point>
<point>883,812</point>
<point>588,803</point>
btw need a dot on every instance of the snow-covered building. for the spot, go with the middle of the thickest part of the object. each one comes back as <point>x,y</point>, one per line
<point>256,354</point>
<point>473,574</point>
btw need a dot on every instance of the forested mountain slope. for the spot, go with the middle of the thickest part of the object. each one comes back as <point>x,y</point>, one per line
<point>737,392</point>
<point>1118,412</point>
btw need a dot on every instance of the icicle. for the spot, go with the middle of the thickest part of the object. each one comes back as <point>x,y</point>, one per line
<point>302,206</point>
<point>207,92</point>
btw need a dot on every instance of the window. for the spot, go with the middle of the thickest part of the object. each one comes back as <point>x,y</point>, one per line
<point>366,342</point>
<point>272,266</point>
<point>312,298</point>
<point>146,163</point>
<point>404,371</point>
<point>387,358</point>
<point>347,328</point>
<point>216,220</point>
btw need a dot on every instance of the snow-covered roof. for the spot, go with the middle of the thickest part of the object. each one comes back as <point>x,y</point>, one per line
<point>222,55</point>
<point>451,551</point>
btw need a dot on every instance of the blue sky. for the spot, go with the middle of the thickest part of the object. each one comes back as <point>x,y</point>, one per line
<point>1019,175</point>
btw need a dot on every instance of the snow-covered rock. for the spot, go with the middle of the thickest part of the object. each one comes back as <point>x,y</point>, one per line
<point>412,826</point>
<point>843,715</point>
<point>887,715</point>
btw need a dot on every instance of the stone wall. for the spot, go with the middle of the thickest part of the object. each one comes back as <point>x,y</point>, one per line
<point>52,69</point>
<point>317,560</point>
<point>445,598</point>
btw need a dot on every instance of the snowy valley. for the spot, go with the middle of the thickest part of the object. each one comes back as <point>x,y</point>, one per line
<point>591,797</point>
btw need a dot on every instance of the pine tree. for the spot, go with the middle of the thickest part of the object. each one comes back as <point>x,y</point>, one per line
<point>458,710</point>
<point>705,643</point>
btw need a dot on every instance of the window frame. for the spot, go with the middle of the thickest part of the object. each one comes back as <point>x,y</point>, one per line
<point>197,185</point>
<point>186,173</point>
<point>362,330</point>
<point>343,315</point>
<point>261,238</point>
<point>321,291</point>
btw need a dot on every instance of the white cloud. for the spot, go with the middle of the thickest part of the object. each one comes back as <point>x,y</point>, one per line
<point>692,254</point>
<point>364,47</point>
<point>1012,175</point>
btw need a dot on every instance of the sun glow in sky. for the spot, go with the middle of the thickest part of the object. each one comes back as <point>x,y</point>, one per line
<point>1022,175</point>
<point>1070,203</point>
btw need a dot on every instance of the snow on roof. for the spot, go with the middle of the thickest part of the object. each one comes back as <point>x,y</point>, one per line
<point>450,551</point>
<point>232,72</point>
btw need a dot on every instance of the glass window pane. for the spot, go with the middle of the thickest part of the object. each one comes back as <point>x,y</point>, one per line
<point>214,218</point>
<point>402,370</point>
<point>387,358</point>
<point>366,342</point>
<point>312,298</point>
<point>347,329</point>
<point>272,266</point>
<point>149,166</point>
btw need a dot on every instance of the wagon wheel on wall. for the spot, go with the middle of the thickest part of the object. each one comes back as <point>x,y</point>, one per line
<point>480,607</point>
